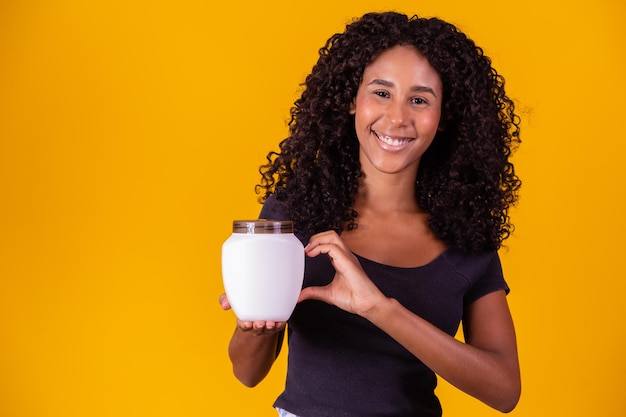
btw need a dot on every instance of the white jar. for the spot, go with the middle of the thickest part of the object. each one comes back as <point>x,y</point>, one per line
<point>262,269</point>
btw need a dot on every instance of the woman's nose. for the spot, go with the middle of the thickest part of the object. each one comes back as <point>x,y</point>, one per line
<point>398,113</point>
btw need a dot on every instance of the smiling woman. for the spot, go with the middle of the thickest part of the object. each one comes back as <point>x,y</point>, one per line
<point>396,173</point>
<point>131,133</point>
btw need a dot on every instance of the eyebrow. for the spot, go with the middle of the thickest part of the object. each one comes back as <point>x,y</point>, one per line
<point>417,88</point>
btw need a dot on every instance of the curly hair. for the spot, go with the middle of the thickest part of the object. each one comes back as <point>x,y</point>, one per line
<point>465,181</point>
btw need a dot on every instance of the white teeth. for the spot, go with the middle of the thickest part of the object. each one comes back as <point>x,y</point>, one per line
<point>391,141</point>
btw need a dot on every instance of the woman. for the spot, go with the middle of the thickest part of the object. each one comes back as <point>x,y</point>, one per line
<point>397,176</point>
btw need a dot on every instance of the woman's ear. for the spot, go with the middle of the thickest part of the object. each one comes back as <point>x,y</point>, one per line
<point>352,108</point>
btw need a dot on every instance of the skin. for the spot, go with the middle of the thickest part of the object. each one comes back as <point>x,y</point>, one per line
<point>397,112</point>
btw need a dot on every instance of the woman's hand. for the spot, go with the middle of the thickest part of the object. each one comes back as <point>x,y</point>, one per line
<point>253,347</point>
<point>257,327</point>
<point>351,289</point>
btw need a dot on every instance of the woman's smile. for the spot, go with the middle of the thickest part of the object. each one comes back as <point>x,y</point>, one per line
<point>392,141</point>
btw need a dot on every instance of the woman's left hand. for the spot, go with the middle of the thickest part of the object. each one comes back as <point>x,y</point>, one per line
<point>351,289</point>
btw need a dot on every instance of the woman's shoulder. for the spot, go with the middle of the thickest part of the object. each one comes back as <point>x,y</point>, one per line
<point>273,209</point>
<point>483,272</point>
<point>471,264</point>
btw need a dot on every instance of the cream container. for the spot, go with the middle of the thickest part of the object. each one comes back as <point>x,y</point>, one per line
<point>262,269</point>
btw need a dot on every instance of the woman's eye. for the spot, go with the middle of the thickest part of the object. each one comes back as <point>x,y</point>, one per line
<point>383,94</point>
<point>418,100</point>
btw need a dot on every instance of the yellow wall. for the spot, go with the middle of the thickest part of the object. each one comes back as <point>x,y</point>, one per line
<point>130,136</point>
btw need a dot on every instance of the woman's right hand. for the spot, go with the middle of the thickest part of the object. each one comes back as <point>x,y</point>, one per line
<point>252,356</point>
<point>257,327</point>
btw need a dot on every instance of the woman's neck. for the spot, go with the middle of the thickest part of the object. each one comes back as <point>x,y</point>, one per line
<point>387,194</point>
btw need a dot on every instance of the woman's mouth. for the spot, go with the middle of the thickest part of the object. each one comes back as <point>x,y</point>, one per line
<point>392,140</point>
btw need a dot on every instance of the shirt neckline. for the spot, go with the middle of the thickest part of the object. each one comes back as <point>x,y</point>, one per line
<point>435,260</point>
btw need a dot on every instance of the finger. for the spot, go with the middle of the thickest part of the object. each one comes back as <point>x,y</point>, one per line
<point>258,326</point>
<point>224,302</point>
<point>330,237</point>
<point>264,327</point>
<point>245,326</point>
<point>313,293</point>
<point>339,257</point>
<point>326,248</point>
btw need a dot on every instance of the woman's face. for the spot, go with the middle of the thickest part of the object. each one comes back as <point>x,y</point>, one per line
<point>397,111</point>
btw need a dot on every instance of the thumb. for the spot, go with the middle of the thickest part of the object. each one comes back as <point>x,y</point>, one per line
<point>224,303</point>
<point>313,293</point>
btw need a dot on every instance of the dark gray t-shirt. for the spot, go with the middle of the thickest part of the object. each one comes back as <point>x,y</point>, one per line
<point>341,365</point>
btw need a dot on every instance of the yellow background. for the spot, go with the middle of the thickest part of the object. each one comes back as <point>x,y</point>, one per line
<point>130,137</point>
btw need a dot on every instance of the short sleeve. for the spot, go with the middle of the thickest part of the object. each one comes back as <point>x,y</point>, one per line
<point>272,210</point>
<point>491,279</point>
<point>275,210</point>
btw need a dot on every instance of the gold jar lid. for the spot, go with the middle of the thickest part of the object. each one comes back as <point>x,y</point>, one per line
<point>263,226</point>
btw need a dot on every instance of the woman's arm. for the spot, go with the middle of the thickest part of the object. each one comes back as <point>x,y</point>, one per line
<point>253,347</point>
<point>486,366</point>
